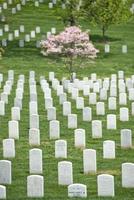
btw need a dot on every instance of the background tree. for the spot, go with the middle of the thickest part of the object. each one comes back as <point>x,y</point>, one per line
<point>70,44</point>
<point>70,11</point>
<point>107,12</point>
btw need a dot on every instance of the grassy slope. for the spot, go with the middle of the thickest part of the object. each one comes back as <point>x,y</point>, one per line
<point>29,58</point>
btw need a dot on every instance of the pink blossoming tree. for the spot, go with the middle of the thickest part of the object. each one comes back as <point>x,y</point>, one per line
<point>71,44</point>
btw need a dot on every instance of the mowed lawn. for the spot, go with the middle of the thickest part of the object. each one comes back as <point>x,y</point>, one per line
<point>22,60</point>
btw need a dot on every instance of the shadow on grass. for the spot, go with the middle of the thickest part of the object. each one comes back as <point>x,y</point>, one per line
<point>100,39</point>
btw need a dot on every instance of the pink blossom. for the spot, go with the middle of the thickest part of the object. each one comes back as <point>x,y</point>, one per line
<point>71,42</point>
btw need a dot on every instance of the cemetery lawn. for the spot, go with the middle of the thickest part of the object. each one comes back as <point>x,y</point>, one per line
<point>22,60</point>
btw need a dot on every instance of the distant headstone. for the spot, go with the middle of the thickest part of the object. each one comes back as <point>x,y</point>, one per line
<point>4,43</point>
<point>6,28</point>
<point>10,37</point>
<point>53,30</point>
<point>18,7</point>
<point>107,48</point>
<point>22,29</point>
<point>33,34</point>
<point>38,45</point>
<point>50,5</point>
<point>37,29</point>
<point>21,43</point>
<point>16,33</point>
<point>27,38</point>
<point>36,3</point>
<point>124,48</point>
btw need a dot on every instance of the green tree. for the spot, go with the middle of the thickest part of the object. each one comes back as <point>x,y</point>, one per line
<point>106,12</point>
<point>70,12</point>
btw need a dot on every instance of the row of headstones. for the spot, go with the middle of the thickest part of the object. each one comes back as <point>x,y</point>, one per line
<point>35,183</point>
<point>7,88</point>
<point>35,155</point>
<point>98,86</point>
<point>27,37</point>
<point>95,85</point>
<point>51,111</point>
<point>100,106</point>
<point>18,7</point>
<point>21,43</point>
<point>80,138</point>
<point>6,29</point>
<point>22,30</point>
<point>107,48</point>
<point>51,4</point>
<point>13,128</point>
<point>61,145</point>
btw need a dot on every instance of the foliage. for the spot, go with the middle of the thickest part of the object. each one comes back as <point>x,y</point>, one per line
<point>71,43</point>
<point>107,12</point>
<point>70,11</point>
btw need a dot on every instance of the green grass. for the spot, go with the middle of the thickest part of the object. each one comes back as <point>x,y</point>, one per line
<point>29,58</point>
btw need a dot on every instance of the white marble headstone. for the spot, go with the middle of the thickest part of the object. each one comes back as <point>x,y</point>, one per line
<point>60,149</point>
<point>77,190</point>
<point>35,186</point>
<point>65,173</point>
<point>35,161</point>
<point>5,172</point>
<point>105,184</point>
<point>89,161</point>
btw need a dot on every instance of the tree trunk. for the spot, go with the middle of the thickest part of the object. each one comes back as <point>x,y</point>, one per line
<point>70,67</point>
<point>72,21</point>
<point>103,33</point>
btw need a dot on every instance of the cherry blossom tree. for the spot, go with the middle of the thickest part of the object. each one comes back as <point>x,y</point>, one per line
<point>70,44</point>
